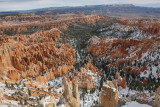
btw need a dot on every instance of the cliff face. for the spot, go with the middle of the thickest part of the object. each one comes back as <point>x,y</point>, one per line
<point>1,96</point>
<point>109,95</point>
<point>72,98</point>
<point>156,102</point>
<point>5,60</point>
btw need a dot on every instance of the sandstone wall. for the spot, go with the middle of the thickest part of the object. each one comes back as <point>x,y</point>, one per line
<point>71,97</point>
<point>156,102</point>
<point>109,95</point>
<point>1,97</point>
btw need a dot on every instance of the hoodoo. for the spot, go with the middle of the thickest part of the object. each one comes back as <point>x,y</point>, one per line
<point>109,95</point>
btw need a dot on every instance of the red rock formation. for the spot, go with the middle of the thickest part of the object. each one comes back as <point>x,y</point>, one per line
<point>156,102</point>
<point>13,75</point>
<point>47,22</point>
<point>119,52</point>
<point>144,67</point>
<point>119,78</point>
<point>90,66</point>
<point>109,95</point>
<point>71,96</point>
<point>146,25</point>
<point>1,97</point>
<point>145,81</point>
<point>120,81</point>
<point>124,84</point>
<point>16,64</point>
<point>85,80</point>
<point>36,55</point>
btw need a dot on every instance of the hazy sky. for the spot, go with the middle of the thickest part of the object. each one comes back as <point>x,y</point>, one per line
<point>7,5</point>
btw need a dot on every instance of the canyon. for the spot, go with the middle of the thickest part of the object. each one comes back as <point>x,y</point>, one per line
<point>78,60</point>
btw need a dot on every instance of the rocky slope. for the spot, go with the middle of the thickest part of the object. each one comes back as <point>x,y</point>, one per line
<point>35,55</point>
<point>135,57</point>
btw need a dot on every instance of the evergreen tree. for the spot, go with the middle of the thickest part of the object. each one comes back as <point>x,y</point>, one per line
<point>6,84</point>
<point>29,92</point>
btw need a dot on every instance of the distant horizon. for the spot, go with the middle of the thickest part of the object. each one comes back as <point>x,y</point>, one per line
<point>17,5</point>
<point>145,5</point>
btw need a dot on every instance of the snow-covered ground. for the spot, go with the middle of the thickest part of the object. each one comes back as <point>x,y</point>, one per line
<point>56,83</point>
<point>3,105</point>
<point>135,104</point>
<point>90,98</point>
<point>128,94</point>
<point>152,62</point>
<point>122,31</point>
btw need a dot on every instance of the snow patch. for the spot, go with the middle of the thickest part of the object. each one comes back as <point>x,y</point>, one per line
<point>114,90</point>
<point>135,104</point>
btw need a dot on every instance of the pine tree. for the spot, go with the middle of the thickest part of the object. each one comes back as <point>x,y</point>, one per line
<point>101,84</point>
<point>6,84</point>
<point>25,102</point>
<point>29,92</point>
<point>20,102</point>
<point>12,86</point>
<point>24,85</point>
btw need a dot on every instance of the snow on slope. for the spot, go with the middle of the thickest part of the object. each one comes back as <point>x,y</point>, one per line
<point>153,65</point>
<point>90,99</point>
<point>135,104</point>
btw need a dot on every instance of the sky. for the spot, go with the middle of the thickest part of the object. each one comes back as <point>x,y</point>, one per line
<point>11,5</point>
